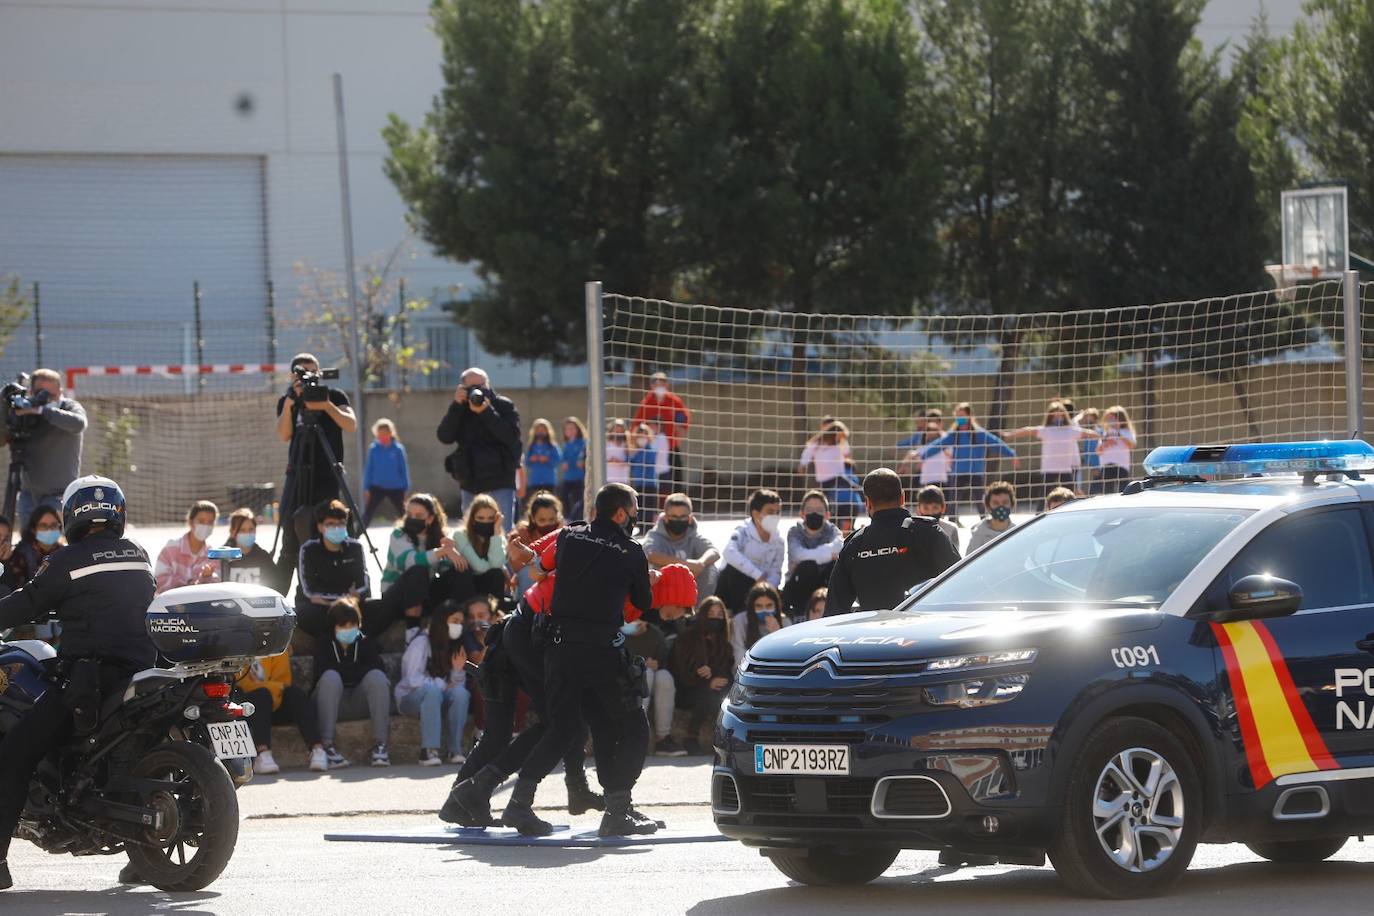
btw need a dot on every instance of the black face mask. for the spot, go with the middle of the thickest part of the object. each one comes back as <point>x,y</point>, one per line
<point>715,625</point>
<point>414,526</point>
<point>484,529</point>
<point>677,526</point>
<point>814,521</point>
<point>629,525</point>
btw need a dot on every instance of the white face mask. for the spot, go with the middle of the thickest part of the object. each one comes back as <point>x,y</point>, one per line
<point>203,532</point>
<point>455,630</point>
<point>770,523</point>
<point>661,391</point>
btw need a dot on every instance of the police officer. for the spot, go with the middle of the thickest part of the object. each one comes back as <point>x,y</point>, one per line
<point>587,671</point>
<point>879,562</point>
<point>100,587</point>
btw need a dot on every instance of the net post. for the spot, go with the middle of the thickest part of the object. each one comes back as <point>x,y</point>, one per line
<point>37,326</point>
<point>1354,353</point>
<point>271,316</point>
<point>200,336</point>
<point>596,395</point>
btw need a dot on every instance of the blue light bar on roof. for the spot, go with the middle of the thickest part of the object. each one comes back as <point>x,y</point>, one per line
<point>1260,458</point>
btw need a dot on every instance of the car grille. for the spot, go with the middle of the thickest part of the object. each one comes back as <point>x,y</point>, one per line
<point>867,669</point>
<point>778,795</point>
<point>915,797</point>
<point>727,794</point>
<point>808,820</point>
<point>760,736</point>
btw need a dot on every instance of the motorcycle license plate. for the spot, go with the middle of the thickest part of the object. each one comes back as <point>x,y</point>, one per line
<point>801,759</point>
<point>232,740</point>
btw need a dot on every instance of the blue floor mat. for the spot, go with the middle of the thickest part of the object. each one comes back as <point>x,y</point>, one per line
<point>562,837</point>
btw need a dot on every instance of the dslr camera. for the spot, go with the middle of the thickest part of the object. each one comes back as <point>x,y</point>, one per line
<point>476,395</point>
<point>16,397</point>
<point>313,387</point>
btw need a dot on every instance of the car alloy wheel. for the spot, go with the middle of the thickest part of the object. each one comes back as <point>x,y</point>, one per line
<point>1138,809</point>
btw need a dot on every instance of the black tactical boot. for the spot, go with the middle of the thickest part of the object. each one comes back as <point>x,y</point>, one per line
<point>129,875</point>
<point>519,812</point>
<point>617,821</point>
<point>5,881</point>
<point>581,798</point>
<point>469,802</point>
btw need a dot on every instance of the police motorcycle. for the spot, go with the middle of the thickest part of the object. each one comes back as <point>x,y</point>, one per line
<point>154,771</point>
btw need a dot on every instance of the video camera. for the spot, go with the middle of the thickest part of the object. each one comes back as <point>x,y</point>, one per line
<point>17,397</point>
<point>313,389</point>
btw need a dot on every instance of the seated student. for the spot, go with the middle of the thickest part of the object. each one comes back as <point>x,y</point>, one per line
<point>702,663</point>
<point>433,686</point>
<point>1058,497</point>
<point>255,567</point>
<point>754,553</point>
<point>815,605</point>
<point>267,685</point>
<point>999,499</point>
<point>762,615</point>
<point>185,560</point>
<point>350,682</point>
<point>812,548</point>
<point>481,545</point>
<point>930,502</point>
<point>41,537</point>
<point>333,566</point>
<point>418,542</point>
<point>675,593</point>
<point>676,538</point>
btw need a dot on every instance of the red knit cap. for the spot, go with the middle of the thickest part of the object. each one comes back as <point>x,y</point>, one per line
<point>676,585</point>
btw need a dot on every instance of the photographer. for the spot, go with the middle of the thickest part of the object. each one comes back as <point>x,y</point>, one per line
<point>50,428</point>
<point>486,428</point>
<point>312,482</point>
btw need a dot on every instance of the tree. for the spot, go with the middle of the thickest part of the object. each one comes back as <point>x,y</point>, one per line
<point>1263,130</point>
<point>14,308</point>
<point>544,160</point>
<point>1324,88</point>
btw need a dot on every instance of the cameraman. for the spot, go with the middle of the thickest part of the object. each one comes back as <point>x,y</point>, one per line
<point>486,428</point>
<point>51,428</point>
<point>312,482</point>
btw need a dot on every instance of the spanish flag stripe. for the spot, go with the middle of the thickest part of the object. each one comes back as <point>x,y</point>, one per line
<point>1316,747</point>
<point>1248,732</point>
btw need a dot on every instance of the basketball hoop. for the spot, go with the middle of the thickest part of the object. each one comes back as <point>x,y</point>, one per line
<point>1287,276</point>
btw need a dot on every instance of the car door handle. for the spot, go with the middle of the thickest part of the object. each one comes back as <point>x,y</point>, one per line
<point>1365,645</point>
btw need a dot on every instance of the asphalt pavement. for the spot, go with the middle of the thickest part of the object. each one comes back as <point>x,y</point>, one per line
<point>283,865</point>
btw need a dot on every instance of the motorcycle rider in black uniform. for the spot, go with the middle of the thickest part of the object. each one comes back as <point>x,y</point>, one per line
<point>99,586</point>
<point>896,550</point>
<point>587,670</point>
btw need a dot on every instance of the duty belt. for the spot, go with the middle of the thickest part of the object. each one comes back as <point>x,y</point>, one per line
<point>582,632</point>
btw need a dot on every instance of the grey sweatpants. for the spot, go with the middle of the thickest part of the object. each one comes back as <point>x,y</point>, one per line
<point>370,699</point>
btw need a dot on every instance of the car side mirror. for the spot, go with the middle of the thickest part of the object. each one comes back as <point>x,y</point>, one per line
<point>1259,596</point>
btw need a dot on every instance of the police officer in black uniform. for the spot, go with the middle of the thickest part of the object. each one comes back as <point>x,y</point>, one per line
<point>892,553</point>
<point>587,670</point>
<point>100,586</point>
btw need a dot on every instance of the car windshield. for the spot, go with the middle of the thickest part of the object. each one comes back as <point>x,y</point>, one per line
<point>1111,556</point>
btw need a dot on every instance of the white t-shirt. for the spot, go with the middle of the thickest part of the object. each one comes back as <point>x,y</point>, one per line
<point>661,465</point>
<point>829,459</point>
<point>935,468</point>
<point>617,463</point>
<point>1116,448</point>
<point>1059,448</point>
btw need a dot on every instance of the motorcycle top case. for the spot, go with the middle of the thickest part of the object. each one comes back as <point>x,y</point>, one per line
<point>206,623</point>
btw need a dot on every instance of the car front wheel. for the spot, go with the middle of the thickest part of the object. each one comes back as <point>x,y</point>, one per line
<point>822,866</point>
<point>1132,813</point>
<point>1301,851</point>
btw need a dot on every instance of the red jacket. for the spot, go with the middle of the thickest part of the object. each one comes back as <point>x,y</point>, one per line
<point>671,415</point>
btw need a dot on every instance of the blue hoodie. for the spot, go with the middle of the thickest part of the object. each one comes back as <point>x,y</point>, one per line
<point>386,467</point>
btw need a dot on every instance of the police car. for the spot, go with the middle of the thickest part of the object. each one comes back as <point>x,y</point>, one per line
<point>1109,684</point>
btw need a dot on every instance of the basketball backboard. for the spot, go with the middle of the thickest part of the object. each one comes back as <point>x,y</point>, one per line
<point>1316,232</point>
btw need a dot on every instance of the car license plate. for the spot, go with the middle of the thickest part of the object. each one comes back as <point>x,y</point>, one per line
<point>801,759</point>
<point>232,740</point>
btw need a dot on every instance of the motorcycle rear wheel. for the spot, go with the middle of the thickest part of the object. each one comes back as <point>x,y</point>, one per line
<point>200,817</point>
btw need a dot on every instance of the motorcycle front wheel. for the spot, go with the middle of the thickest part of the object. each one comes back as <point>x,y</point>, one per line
<point>199,818</point>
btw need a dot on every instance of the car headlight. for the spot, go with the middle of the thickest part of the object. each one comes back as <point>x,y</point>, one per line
<point>987,691</point>
<point>982,660</point>
<point>738,694</point>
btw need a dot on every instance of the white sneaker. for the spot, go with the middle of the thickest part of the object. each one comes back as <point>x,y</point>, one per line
<point>380,758</point>
<point>457,758</point>
<point>318,761</point>
<point>264,765</point>
<point>429,757</point>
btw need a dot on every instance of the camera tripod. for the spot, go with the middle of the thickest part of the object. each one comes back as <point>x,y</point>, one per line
<point>301,467</point>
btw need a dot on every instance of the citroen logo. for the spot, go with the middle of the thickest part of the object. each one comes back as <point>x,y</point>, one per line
<point>829,659</point>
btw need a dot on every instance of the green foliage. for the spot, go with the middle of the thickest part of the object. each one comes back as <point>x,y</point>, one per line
<point>897,385</point>
<point>14,308</point>
<point>116,455</point>
<point>1322,85</point>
